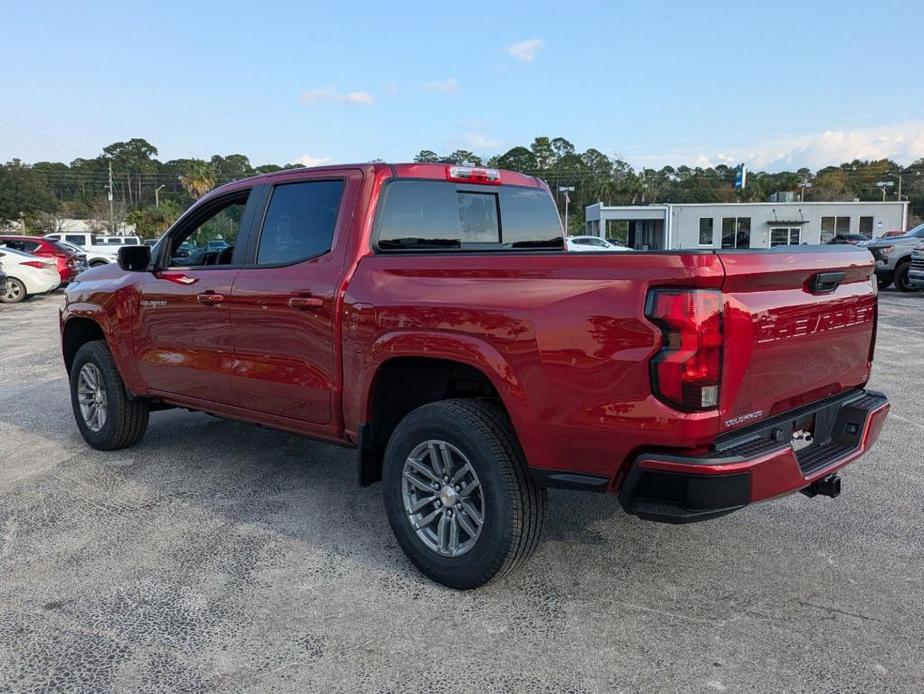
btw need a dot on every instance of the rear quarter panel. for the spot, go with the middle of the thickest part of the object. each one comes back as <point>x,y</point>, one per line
<point>561,336</point>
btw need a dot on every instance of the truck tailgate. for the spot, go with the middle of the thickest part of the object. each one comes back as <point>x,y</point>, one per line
<point>800,324</point>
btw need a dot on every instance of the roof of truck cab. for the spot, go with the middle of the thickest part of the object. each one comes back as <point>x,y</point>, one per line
<point>437,172</point>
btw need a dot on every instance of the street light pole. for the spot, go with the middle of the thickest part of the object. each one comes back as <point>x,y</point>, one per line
<point>111,209</point>
<point>157,194</point>
<point>566,190</point>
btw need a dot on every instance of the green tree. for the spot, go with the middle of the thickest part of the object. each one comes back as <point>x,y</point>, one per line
<point>516,159</point>
<point>23,194</point>
<point>426,156</point>
<point>199,178</point>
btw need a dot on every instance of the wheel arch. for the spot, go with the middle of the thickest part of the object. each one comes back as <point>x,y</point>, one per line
<point>75,333</point>
<point>400,376</point>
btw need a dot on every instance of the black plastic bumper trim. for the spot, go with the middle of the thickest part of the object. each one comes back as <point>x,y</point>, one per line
<point>570,480</point>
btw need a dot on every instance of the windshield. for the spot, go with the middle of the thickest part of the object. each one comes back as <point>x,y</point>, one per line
<point>917,232</point>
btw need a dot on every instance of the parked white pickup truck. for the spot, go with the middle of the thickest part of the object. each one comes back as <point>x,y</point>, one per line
<point>99,250</point>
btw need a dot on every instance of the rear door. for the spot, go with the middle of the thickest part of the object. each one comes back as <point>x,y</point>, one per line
<point>182,333</point>
<point>799,324</point>
<point>284,303</point>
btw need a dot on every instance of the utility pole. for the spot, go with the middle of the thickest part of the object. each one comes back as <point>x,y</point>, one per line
<point>111,209</point>
<point>157,194</point>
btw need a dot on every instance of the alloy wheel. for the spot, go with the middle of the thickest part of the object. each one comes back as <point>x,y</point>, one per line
<point>443,498</point>
<point>91,396</point>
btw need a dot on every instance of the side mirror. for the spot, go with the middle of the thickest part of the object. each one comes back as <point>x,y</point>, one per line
<point>134,258</point>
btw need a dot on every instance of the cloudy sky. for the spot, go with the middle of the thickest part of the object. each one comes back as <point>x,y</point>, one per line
<point>780,86</point>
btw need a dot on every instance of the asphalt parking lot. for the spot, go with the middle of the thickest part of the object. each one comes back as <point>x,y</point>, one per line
<point>218,556</point>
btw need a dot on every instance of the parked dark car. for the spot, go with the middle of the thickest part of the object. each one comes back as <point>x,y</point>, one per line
<point>852,239</point>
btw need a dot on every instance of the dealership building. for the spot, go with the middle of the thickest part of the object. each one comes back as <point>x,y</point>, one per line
<point>740,225</point>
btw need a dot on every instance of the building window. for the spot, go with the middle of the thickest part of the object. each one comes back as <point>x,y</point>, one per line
<point>785,236</point>
<point>830,226</point>
<point>736,232</point>
<point>617,231</point>
<point>866,227</point>
<point>705,231</point>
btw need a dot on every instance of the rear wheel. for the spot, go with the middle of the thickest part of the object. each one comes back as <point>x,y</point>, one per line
<point>15,291</point>
<point>902,283</point>
<point>458,494</point>
<point>107,417</point>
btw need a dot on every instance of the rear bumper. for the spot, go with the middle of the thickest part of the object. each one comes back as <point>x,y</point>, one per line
<point>755,464</point>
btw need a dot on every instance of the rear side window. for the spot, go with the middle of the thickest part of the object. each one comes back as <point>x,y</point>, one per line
<point>24,246</point>
<point>437,215</point>
<point>300,222</point>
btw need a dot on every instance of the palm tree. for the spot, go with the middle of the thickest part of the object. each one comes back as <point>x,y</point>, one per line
<point>199,179</point>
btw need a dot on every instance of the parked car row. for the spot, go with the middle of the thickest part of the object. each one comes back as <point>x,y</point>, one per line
<point>893,258</point>
<point>100,249</point>
<point>26,274</point>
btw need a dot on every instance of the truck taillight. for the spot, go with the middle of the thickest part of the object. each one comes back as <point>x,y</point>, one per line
<point>687,372</point>
<point>473,174</point>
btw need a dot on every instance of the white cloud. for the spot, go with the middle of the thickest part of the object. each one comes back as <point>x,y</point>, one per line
<point>356,98</point>
<point>525,51</point>
<point>314,96</point>
<point>309,160</point>
<point>479,141</point>
<point>902,142</point>
<point>446,86</point>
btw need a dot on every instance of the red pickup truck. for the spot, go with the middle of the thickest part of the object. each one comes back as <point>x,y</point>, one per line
<point>428,317</point>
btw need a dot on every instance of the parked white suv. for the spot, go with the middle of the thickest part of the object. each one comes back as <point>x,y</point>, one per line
<point>97,253</point>
<point>119,240</point>
<point>592,243</point>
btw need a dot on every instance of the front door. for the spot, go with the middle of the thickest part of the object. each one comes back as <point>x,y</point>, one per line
<point>183,342</point>
<point>284,301</point>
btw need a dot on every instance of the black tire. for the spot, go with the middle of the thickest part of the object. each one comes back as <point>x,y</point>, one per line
<point>514,505</point>
<point>14,293</point>
<point>902,283</point>
<point>883,283</point>
<point>126,419</point>
<point>97,263</point>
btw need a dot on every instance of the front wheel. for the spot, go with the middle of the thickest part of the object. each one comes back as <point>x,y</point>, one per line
<point>107,417</point>
<point>458,493</point>
<point>15,291</point>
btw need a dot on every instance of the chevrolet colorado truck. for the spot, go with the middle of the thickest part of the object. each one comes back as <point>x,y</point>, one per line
<point>428,317</point>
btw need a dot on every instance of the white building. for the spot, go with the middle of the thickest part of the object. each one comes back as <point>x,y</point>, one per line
<point>741,225</point>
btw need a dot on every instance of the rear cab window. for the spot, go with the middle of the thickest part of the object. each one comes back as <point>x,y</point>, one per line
<point>421,215</point>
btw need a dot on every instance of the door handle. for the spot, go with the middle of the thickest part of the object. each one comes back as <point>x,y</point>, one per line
<point>306,302</point>
<point>210,298</point>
